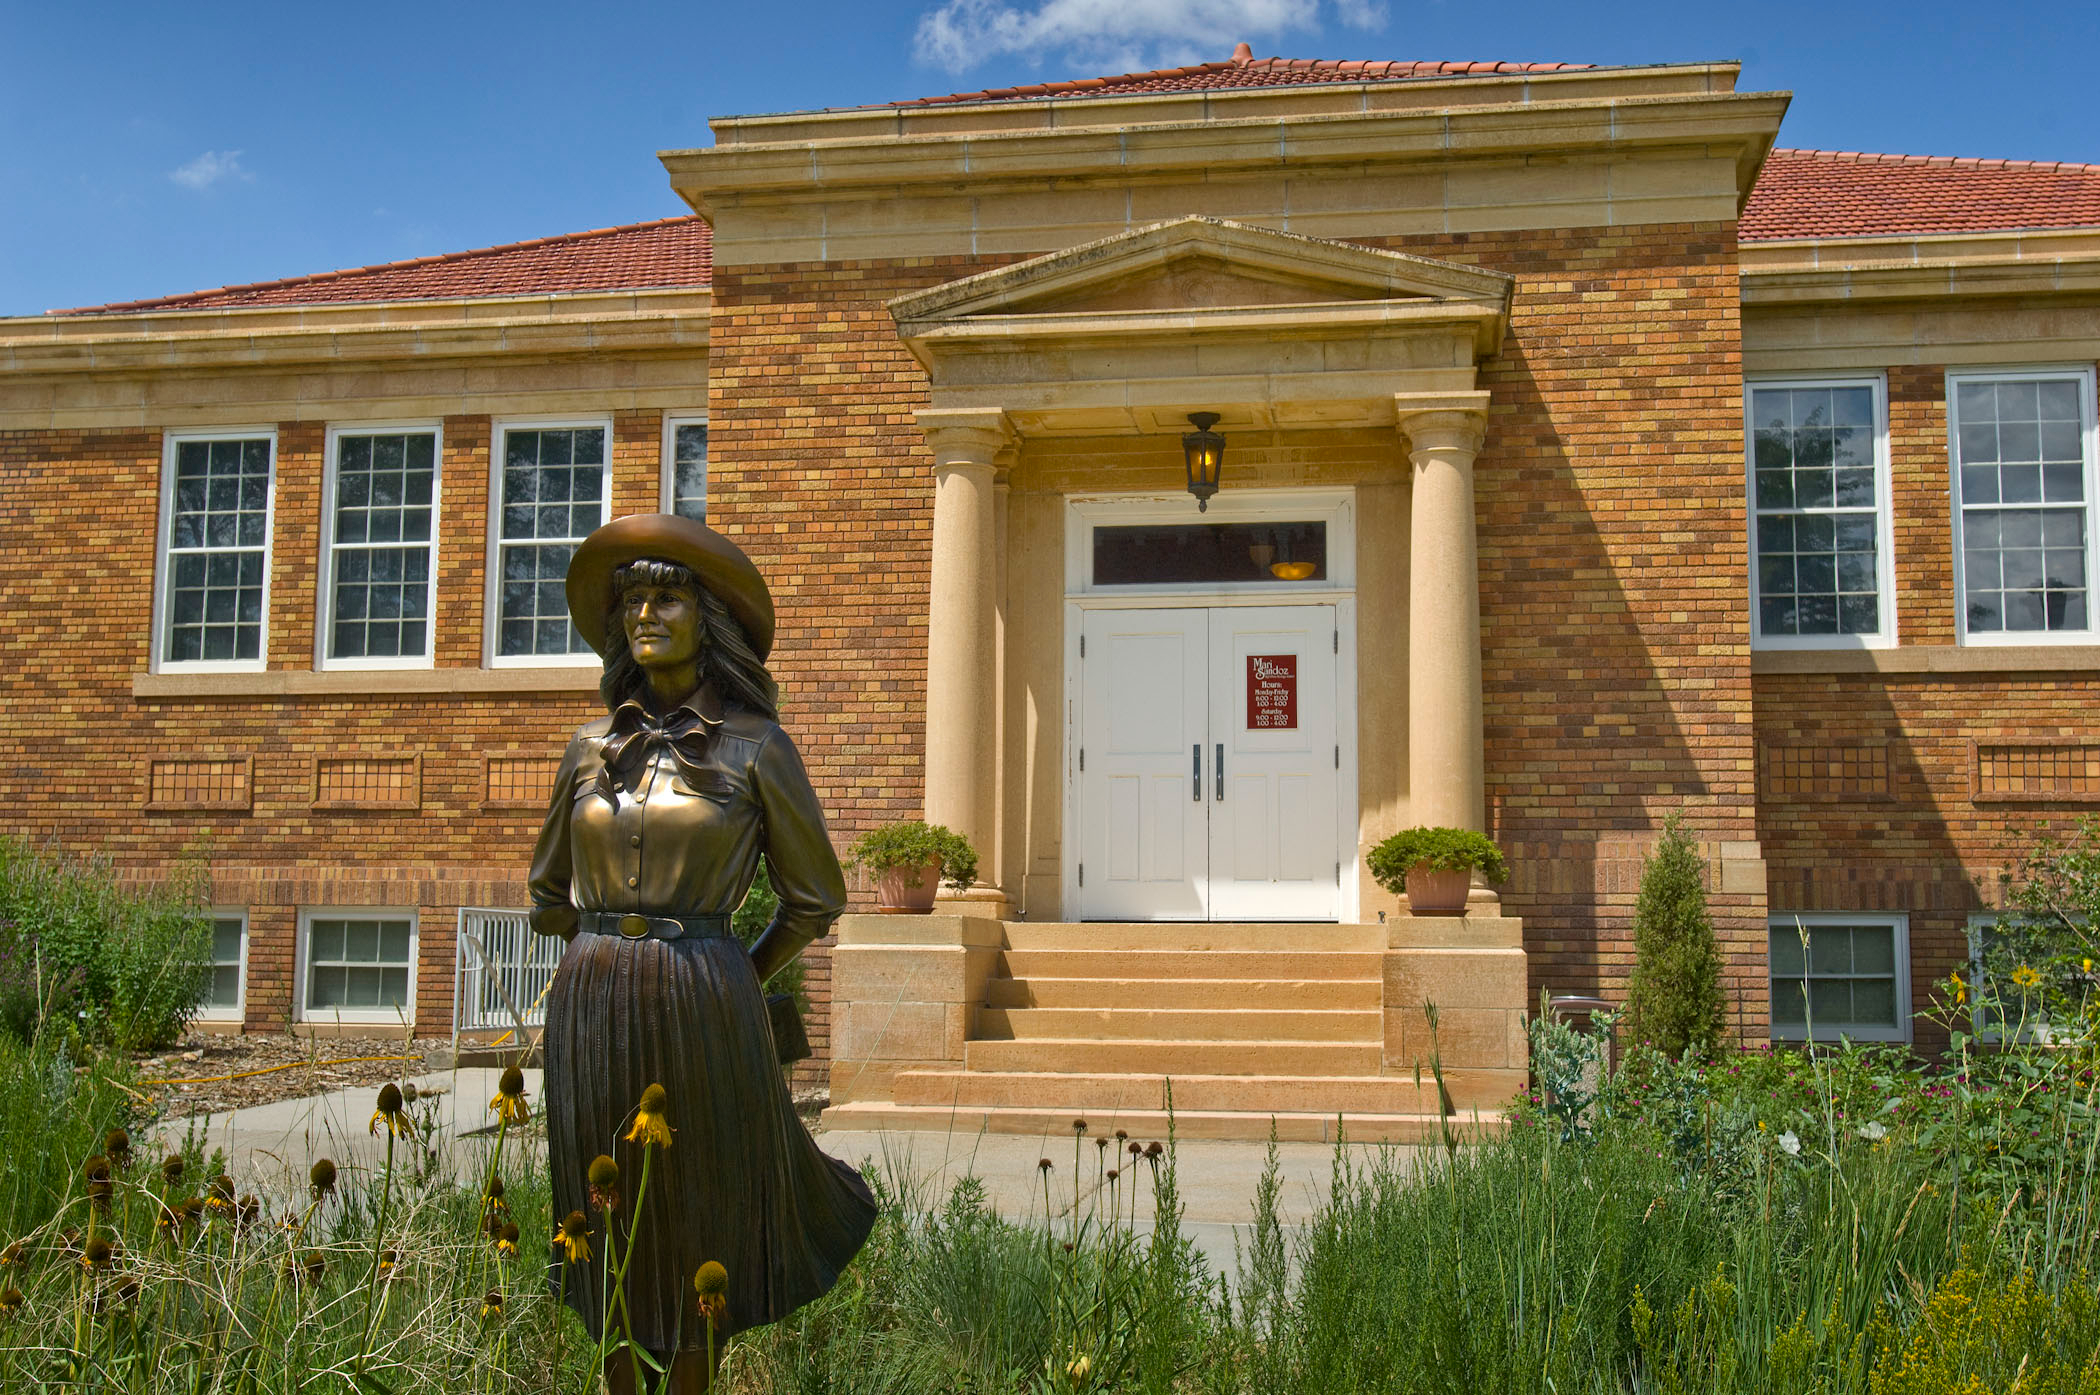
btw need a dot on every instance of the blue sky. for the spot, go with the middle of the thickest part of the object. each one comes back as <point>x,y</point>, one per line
<point>147,149</point>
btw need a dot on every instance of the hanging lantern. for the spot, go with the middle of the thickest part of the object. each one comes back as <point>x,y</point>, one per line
<point>1204,449</point>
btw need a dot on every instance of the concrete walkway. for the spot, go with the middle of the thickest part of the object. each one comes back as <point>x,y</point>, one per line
<point>272,1146</point>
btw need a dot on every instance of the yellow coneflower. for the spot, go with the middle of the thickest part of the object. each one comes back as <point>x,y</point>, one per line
<point>168,1224</point>
<point>98,1255</point>
<point>171,1170</point>
<point>604,1178</point>
<point>389,1265</point>
<point>116,1146</point>
<point>492,1306</point>
<point>1959,989</point>
<point>507,1241</point>
<point>10,1301</point>
<point>95,1169</point>
<point>11,1257</point>
<point>509,1102</point>
<point>247,1211</point>
<point>307,1268</point>
<point>2027,977</point>
<point>650,1125</point>
<point>389,1113</point>
<point>218,1197</point>
<point>1077,1368</point>
<point>711,1283</point>
<point>574,1236</point>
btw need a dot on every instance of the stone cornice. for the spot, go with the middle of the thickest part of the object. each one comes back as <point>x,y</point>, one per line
<point>513,327</point>
<point>1806,272</point>
<point>1184,136</point>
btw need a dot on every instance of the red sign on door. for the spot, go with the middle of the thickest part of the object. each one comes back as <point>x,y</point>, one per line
<point>1272,691</point>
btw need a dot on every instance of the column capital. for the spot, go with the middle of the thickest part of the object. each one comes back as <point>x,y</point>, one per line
<point>1453,421</point>
<point>969,436</point>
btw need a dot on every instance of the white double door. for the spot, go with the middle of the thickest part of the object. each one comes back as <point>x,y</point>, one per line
<point>1208,764</point>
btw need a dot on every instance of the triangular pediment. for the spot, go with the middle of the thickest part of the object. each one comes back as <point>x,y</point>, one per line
<point>1200,264</point>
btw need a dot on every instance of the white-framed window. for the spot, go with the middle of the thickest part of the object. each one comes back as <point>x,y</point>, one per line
<point>1821,571</point>
<point>685,466</point>
<point>1840,975</point>
<point>379,556</point>
<point>214,564</point>
<point>2022,448</point>
<point>357,964</point>
<point>225,999</point>
<point>1997,1001</point>
<point>549,488</point>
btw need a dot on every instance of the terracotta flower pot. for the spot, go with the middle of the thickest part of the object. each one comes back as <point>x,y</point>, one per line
<point>1430,892</point>
<point>908,890</point>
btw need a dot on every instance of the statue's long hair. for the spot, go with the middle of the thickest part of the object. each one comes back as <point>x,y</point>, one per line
<point>727,658</point>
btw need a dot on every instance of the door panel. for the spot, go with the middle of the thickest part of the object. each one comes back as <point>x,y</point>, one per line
<point>1272,706</point>
<point>1142,833</point>
<point>1207,781</point>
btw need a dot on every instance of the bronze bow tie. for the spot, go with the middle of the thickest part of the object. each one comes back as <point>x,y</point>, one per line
<point>636,737</point>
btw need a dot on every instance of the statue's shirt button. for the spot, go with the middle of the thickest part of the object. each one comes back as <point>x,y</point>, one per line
<point>633,881</point>
<point>634,840</point>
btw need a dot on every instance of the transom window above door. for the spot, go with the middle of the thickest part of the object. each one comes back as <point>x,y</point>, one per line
<point>1266,542</point>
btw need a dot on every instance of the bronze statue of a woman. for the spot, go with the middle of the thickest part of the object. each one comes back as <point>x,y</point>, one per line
<point>658,817</point>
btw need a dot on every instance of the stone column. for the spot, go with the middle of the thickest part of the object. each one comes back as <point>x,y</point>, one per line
<point>1446,780</point>
<point>962,639</point>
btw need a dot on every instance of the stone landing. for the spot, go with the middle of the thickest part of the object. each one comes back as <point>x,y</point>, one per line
<point>969,1024</point>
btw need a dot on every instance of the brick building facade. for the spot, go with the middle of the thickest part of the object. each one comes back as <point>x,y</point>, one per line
<point>1488,334</point>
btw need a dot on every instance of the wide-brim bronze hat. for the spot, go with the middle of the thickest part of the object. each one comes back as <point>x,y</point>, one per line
<point>719,563</point>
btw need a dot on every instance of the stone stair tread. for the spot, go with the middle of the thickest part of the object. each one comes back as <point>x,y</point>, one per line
<point>1250,1125</point>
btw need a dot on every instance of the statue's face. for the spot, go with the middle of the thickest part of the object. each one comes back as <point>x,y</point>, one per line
<point>663,625</point>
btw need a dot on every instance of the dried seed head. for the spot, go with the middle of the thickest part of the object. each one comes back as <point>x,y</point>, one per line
<point>408,1091</point>
<point>171,1170</point>
<point>604,1172</point>
<point>1043,1164</point>
<point>711,1280</point>
<point>389,1098</point>
<point>1079,1126</point>
<point>322,1178</point>
<point>95,1169</point>
<point>1153,1149</point>
<point>117,1145</point>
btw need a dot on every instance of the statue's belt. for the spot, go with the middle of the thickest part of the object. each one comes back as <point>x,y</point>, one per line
<point>654,927</point>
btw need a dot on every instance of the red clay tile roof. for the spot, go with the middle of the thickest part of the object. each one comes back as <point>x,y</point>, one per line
<point>668,252</point>
<point>1247,72</point>
<point>1843,193</point>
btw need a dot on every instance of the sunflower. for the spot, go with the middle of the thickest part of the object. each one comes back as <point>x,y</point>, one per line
<point>650,1126</point>
<point>1959,989</point>
<point>574,1236</point>
<point>711,1283</point>
<point>389,1113</point>
<point>509,1102</point>
<point>2027,978</point>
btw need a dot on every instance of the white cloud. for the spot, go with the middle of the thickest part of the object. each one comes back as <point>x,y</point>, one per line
<point>212,167</point>
<point>1122,34</point>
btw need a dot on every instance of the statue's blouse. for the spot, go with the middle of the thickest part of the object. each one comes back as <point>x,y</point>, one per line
<point>669,818</point>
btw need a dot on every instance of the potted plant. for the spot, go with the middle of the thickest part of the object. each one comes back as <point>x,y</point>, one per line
<point>908,861</point>
<point>1435,866</point>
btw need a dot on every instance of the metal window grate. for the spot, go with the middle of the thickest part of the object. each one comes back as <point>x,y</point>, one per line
<point>503,971</point>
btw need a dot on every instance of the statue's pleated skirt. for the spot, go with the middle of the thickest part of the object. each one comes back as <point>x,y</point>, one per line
<point>743,1182</point>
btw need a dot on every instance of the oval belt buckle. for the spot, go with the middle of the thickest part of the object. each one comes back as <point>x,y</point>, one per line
<point>634,927</point>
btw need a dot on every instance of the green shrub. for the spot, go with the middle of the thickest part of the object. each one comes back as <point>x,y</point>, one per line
<point>52,1115</point>
<point>914,843</point>
<point>751,920</point>
<point>1439,849</point>
<point>139,956</point>
<point>1674,1000</point>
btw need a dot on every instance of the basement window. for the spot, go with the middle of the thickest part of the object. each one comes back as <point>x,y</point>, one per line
<point>1840,977</point>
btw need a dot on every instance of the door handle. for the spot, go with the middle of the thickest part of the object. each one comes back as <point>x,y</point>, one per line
<point>1220,781</point>
<point>1196,772</point>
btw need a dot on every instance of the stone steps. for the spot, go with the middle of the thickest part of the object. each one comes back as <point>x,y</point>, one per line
<point>1153,964</point>
<point>1165,1057</point>
<point>1196,937</point>
<point>1075,1092</point>
<point>1362,1026</point>
<point>1173,994</point>
<point>1149,1124</point>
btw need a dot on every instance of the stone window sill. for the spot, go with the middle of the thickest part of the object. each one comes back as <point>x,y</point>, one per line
<point>177,687</point>
<point>1936,658</point>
